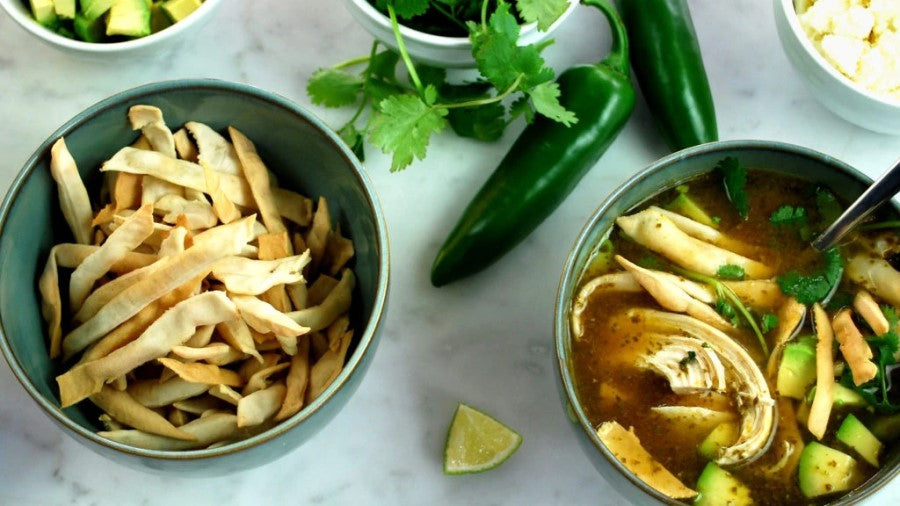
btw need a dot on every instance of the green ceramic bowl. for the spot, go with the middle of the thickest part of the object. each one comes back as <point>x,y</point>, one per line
<point>305,156</point>
<point>662,175</point>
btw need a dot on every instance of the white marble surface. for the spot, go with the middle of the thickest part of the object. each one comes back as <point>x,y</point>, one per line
<point>486,341</point>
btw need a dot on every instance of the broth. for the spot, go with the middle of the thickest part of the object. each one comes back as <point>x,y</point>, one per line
<point>611,386</point>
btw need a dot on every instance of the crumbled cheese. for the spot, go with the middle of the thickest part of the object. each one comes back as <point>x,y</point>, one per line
<point>860,38</point>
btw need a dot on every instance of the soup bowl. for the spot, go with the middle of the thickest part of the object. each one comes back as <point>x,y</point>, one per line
<point>664,174</point>
<point>297,148</point>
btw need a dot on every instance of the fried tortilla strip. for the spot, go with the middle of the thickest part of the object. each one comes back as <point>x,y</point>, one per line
<point>317,236</point>
<point>327,368</point>
<point>153,394</point>
<point>199,213</point>
<point>175,243</point>
<point>125,409</point>
<point>200,405</point>
<point>73,197</point>
<point>236,333</point>
<point>257,177</point>
<point>626,448</point>
<point>672,296</point>
<point>105,293</point>
<point>264,318</point>
<point>171,329</point>
<point>70,256</point>
<point>197,372</point>
<point>225,393</point>
<point>222,205</point>
<point>207,430</point>
<point>854,347</point>
<point>149,120</point>
<point>820,410</point>
<point>260,379</point>
<point>253,277</point>
<point>103,217</point>
<point>124,238</point>
<point>259,406</point>
<point>127,191</point>
<point>176,417</point>
<point>338,252</point>
<point>213,149</point>
<point>708,234</point>
<point>207,352</point>
<point>866,306</point>
<point>51,302</point>
<point>658,233</point>
<point>170,272</point>
<point>336,303</point>
<point>296,382</point>
<point>184,146</point>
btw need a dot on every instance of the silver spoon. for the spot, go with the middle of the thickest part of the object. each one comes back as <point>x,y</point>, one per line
<point>880,191</point>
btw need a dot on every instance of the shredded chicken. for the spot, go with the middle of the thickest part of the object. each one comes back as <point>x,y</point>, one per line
<point>755,402</point>
<point>688,365</point>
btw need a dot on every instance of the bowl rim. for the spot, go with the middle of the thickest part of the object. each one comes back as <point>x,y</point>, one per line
<point>789,10</point>
<point>569,278</point>
<point>367,336</point>
<point>23,18</point>
<point>443,41</point>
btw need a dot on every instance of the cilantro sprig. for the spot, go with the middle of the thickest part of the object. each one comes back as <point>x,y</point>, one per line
<point>399,116</point>
<point>811,288</point>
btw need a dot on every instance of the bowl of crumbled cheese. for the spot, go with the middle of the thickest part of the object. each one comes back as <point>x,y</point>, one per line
<point>848,53</point>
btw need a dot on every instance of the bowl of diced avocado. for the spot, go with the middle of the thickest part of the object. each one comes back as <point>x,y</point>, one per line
<point>108,27</point>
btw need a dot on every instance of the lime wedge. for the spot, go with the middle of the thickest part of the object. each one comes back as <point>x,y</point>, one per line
<point>476,442</point>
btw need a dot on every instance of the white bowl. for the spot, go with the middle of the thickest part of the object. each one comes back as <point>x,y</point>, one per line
<point>835,91</point>
<point>20,11</point>
<point>449,52</point>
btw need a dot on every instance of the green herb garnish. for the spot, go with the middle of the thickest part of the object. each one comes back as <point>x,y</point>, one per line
<point>400,116</point>
<point>808,289</point>
<point>730,271</point>
<point>735,179</point>
<point>875,391</point>
<point>789,215</point>
<point>768,322</point>
<point>690,357</point>
<point>828,206</point>
<point>880,225</point>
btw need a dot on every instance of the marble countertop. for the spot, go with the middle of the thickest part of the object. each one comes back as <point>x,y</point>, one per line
<point>486,341</point>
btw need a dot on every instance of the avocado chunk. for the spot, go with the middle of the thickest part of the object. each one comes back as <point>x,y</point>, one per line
<point>843,397</point>
<point>685,206</point>
<point>854,434</point>
<point>716,486</point>
<point>89,30</point>
<point>44,12</point>
<point>824,471</point>
<point>64,8</point>
<point>180,9</point>
<point>129,17</point>
<point>93,9</point>
<point>725,434</point>
<point>159,20</point>
<point>797,370</point>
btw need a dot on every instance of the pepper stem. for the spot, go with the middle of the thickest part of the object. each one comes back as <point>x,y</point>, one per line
<point>617,58</point>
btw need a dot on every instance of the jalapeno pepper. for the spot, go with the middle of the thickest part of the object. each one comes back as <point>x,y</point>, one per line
<point>545,162</point>
<point>669,68</point>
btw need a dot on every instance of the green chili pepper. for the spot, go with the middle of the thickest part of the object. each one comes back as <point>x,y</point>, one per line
<point>669,68</point>
<point>545,163</point>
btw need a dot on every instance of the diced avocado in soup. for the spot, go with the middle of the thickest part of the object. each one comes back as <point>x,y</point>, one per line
<point>660,315</point>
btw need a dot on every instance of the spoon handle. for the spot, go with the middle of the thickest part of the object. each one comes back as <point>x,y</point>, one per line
<point>883,189</point>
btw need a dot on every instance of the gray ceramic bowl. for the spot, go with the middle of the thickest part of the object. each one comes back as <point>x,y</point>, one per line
<point>662,175</point>
<point>304,155</point>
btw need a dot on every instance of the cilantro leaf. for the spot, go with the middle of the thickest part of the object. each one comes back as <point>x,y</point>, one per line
<point>768,322</point>
<point>788,215</point>
<point>730,271</point>
<point>690,357</point>
<point>546,101</point>
<point>405,9</point>
<point>735,178</point>
<point>522,107</point>
<point>808,289</point>
<point>384,65</point>
<point>403,126</point>
<point>727,310</point>
<point>333,88</point>
<point>828,206</point>
<point>542,12</point>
